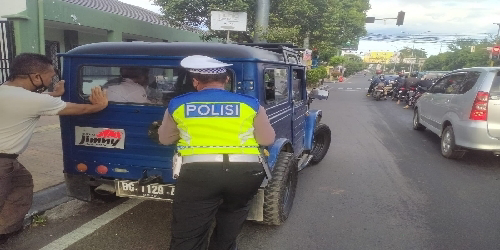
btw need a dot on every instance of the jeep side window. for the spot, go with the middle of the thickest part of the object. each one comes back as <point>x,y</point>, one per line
<point>297,83</point>
<point>276,85</point>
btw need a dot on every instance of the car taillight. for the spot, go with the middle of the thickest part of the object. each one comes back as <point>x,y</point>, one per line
<point>403,89</point>
<point>479,110</point>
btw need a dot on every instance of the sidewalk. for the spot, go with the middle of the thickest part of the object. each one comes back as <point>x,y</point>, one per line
<point>43,158</point>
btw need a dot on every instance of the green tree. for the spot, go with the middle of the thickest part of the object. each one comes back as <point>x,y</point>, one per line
<point>324,22</point>
<point>336,61</point>
<point>461,56</point>
<point>408,52</point>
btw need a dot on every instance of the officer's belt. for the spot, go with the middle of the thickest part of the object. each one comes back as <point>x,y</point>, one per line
<point>9,156</point>
<point>220,158</point>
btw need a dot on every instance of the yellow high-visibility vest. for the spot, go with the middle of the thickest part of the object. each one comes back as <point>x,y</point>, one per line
<point>215,121</point>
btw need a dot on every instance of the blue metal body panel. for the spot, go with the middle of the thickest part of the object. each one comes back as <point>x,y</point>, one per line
<point>274,151</point>
<point>311,122</point>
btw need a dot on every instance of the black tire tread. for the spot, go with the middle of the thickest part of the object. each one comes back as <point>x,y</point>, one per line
<point>273,209</point>
<point>456,153</point>
<point>419,126</point>
<point>322,128</point>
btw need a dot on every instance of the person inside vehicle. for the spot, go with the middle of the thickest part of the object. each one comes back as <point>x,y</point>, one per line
<point>410,82</point>
<point>426,83</point>
<point>132,87</point>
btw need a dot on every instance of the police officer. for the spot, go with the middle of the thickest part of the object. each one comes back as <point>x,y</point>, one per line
<point>218,134</point>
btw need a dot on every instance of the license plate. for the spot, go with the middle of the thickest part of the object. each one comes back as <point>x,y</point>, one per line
<point>151,191</point>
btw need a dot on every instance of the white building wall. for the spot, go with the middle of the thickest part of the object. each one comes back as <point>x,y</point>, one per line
<point>10,7</point>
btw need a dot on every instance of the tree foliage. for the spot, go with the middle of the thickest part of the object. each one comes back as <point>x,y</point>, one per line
<point>461,56</point>
<point>353,66</point>
<point>408,52</point>
<point>336,61</point>
<point>315,75</point>
<point>326,22</point>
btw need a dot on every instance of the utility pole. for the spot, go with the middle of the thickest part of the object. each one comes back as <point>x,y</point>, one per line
<point>498,33</point>
<point>262,20</point>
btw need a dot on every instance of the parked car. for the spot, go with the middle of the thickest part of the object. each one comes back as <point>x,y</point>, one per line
<point>463,108</point>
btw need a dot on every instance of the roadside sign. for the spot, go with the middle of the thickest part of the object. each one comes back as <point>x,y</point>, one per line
<point>226,20</point>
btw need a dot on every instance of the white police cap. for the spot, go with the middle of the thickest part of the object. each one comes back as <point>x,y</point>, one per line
<point>204,65</point>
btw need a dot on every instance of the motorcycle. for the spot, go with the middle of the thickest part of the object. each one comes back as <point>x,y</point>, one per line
<point>419,91</point>
<point>401,94</point>
<point>378,92</point>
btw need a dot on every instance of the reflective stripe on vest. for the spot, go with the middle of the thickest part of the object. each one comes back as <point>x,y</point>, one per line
<point>215,128</point>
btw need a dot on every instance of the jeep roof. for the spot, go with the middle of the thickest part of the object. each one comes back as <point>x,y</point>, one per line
<point>177,49</point>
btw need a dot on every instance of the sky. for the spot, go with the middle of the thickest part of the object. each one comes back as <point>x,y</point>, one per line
<point>442,19</point>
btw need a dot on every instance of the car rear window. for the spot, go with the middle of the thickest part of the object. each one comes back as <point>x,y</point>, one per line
<point>138,85</point>
<point>495,87</point>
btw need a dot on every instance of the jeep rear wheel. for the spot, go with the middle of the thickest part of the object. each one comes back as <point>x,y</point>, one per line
<point>280,191</point>
<point>321,142</point>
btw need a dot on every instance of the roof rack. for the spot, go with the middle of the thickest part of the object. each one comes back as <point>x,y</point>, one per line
<point>290,51</point>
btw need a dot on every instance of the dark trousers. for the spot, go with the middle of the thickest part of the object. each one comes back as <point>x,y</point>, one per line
<point>208,191</point>
<point>16,195</point>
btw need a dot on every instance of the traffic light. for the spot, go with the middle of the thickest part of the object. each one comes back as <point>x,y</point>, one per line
<point>401,18</point>
<point>495,53</point>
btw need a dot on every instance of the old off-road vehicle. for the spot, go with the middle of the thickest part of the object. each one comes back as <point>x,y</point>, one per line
<point>116,153</point>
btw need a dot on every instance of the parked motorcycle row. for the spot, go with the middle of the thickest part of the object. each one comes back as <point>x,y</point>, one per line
<point>395,90</point>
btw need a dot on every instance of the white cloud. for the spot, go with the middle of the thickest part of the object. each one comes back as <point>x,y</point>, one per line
<point>440,17</point>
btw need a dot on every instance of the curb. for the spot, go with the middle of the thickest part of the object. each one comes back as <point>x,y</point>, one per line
<point>45,200</point>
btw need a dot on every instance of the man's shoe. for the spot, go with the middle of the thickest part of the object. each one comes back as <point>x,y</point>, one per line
<point>5,237</point>
<point>406,107</point>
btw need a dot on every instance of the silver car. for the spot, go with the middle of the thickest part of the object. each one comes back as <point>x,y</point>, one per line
<point>463,108</point>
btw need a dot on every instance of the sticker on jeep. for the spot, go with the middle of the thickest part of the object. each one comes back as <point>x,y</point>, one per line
<point>100,137</point>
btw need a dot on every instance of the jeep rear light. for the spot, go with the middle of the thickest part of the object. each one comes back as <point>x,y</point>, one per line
<point>102,169</point>
<point>82,168</point>
<point>479,110</point>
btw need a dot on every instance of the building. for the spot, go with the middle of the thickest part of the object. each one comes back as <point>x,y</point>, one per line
<point>56,26</point>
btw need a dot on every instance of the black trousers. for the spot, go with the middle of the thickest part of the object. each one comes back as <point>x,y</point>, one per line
<point>208,191</point>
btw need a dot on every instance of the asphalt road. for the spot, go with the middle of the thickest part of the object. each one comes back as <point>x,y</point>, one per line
<point>381,186</point>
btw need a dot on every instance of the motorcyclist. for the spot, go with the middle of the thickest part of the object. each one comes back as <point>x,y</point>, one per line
<point>411,82</point>
<point>375,80</point>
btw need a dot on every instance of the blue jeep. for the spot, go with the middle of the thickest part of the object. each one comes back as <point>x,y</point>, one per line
<point>115,153</point>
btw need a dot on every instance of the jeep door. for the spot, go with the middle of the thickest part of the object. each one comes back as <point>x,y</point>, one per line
<point>277,99</point>
<point>299,107</point>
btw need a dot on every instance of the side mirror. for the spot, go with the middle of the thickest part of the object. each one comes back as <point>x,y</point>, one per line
<point>319,94</point>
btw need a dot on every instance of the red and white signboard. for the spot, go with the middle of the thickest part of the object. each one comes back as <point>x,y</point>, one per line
<point>100,137</point>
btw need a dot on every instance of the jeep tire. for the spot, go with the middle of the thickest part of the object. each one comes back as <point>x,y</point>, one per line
<point>280,191</point>
<point>321,142</point>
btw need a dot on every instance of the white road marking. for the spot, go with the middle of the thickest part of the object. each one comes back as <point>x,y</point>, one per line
<point>349,88</point>
<point>366,88</point>
<point>341,88</point>
<point>91,226</point>
<point>358,88</point>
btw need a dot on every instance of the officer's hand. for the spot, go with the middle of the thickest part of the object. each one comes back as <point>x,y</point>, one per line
<point>58,89</point>
<point>98,97</point>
